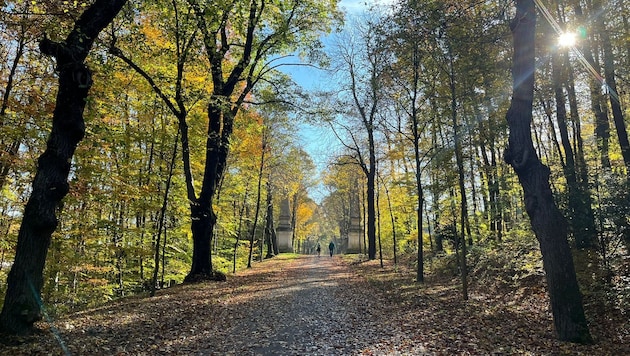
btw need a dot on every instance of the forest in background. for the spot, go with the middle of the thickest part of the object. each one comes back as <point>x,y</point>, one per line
<point>419,105</point>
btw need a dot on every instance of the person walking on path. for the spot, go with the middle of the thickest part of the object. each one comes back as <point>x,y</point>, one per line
<point>331,247</point>
<point>319,249</point>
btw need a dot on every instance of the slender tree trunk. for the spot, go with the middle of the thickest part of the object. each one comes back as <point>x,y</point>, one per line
<point>611,88</point>
<point>258,197</point>
<point>270,234</point>
<point>415,131</point>
<point>582,218</point>
<point>547,222</point>
<point>239,229</point>
<point>161,218</point>
<point>465,226</point>
<point>435,195</point>
<point>393,220</point>
<point>274,235</point>
<point>364,210</point>
<point>473,196</point>
<point>581,169</point>
<point>371,210</point>
<point>9,151</point>
<point>378,222</point>
<point>598,102</point>
<point>22,303</point>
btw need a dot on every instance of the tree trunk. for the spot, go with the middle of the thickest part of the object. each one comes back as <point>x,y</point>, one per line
<point>582,218</point>
<point>420,203</point>
<point>22,303</point>
<point>239,229</point>
<point>547,222</point>
<point>201,210</point>
<point>8,151</point>
<point>611,89</point>
<point>378,222</point>
<point>465,226</point>
<point>393,221</point>
<point>162,217</point>
<point>415,130</point>
<point>270,233</point>
<point>598,102</point>
<point>258,197</point>
<point>371,212</point>
<point>203,220</point>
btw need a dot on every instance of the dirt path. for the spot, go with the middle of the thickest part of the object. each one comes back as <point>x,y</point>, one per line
<point>315,306</point>
<point>306,306</point>
<point>312,306</point>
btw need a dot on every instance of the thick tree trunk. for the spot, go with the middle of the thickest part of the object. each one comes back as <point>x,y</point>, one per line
<point>203,220</point>
<point>22,304</point>
<point>201,210</point>
<point>547,222</point>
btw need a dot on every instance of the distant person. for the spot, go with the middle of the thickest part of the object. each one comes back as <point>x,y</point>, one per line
<point>319,249</point>
<point>331,247</point>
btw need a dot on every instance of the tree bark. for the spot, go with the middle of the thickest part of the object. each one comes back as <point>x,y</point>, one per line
<point>547,222</point>
<point>9,151</point>
<point>582,218</point>
<point>162,217</point>
<point>371,205</point>
<point>465,226</point>
<point>598,102</point>
<point>270,233</point>
<point>220,126</point>
<point>239,230</point>
<point>22,304</point>
<point>611,89</point>
<point>261,168</point>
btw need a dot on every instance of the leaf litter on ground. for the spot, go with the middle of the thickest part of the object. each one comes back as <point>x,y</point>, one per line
<point>320,306</point>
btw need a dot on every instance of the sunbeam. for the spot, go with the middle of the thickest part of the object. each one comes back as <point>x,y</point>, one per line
<point>606,89</point>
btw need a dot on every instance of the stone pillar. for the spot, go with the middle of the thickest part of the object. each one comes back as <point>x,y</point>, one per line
<point>355,232</point>
<point>284,230</point>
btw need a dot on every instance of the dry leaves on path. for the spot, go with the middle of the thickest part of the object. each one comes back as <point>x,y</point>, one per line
<point>306,306</point>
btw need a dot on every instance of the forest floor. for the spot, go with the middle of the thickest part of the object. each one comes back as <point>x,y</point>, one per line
<point>310,305</point>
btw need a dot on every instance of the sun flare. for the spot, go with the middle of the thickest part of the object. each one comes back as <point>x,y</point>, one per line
<point>567,39</point>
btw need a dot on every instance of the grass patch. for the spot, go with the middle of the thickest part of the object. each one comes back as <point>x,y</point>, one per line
<point>287,256</point>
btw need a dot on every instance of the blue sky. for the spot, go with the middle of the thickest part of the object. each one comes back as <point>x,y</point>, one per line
<point>319,141</point>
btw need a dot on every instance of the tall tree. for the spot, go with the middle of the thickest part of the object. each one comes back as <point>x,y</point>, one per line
<point>240,42</point>
<point>261,168</point>
<point>611,84</point>
<point>407,73</point>
<point>582,218</point>
<point>547,221</point>
<point>363,61</point>
<point>22,304</point>
<point>9,149</point>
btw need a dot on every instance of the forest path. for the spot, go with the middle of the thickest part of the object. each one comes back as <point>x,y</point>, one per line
<point>307,305</point>
<point>313,306</point>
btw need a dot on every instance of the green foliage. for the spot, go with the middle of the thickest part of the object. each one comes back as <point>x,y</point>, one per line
<point>105,245</point>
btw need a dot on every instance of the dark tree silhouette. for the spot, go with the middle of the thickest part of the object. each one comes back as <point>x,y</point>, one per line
<point>22,304</point>
<point>547,222</point>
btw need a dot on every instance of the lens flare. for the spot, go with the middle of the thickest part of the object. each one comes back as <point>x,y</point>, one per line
<point>567,39</point>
